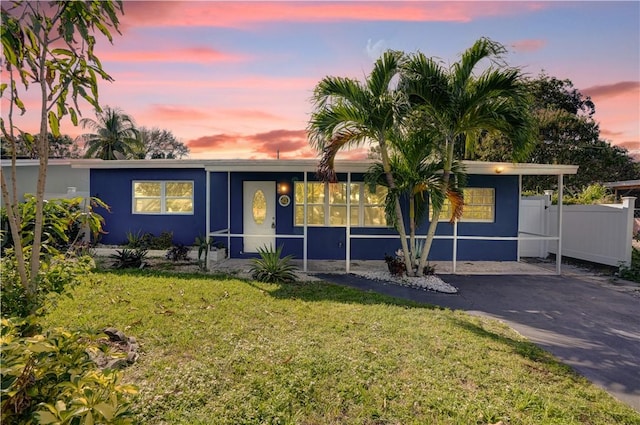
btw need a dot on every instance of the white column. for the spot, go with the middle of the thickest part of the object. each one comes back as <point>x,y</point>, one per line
<point>304,225</point>
<point>348,229</point>
<point>559,251</point>
<point>455,247</point>
<point>208,210</point>
<point>628,203</point>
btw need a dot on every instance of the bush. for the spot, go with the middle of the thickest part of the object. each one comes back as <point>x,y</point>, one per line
<point>63,222</point>
<point>149,241</point>
<point>632,271</point>
<point>54,276</point>
<point>178,252</point>
<point>271,268</point>
<point>49,378</point>
<point>129,258</point>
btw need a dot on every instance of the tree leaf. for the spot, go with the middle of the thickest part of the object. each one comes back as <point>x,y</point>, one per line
<point>54,123</point>
<point>106,410</point>
<point>46,417</point>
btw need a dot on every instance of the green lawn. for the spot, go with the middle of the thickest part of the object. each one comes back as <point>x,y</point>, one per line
<point>218,351</point>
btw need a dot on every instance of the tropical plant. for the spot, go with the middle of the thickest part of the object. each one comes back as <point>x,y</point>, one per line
<point>458,108</point>
<point>348,113</point>
<point>271,267</point>
<point>48,46</point>
<point>178,252</point>
<point>50,378</point>
<point>64,222</point>
<point>416,165</point>
<point>129,258</point>
<point>114,135</point>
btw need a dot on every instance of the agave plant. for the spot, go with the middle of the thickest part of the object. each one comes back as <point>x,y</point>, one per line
<point>271,267</point>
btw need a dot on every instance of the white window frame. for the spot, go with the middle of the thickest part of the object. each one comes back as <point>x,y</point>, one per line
<point>163,197</point>
<point>472,220</point>
<point>327,211</point>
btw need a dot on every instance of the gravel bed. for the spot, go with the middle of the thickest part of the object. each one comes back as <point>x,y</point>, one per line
<point>431,282</point>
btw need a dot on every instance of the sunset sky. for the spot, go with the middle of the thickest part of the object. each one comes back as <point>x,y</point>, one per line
<point>234,79</point>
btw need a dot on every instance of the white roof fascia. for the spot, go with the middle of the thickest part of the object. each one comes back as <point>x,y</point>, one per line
<point>310,165</point>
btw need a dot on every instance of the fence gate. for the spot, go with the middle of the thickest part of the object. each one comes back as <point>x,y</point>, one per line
<point>533,222</point>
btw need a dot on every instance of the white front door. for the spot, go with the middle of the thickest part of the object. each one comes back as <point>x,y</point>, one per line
<point>259,216</point>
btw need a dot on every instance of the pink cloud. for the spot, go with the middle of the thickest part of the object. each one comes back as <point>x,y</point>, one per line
<point>288,144</point>
<point>246,14</point>
<point>190,55</point>
<point>176,113</point>
<point>529,45</point>
<point>610,90</point>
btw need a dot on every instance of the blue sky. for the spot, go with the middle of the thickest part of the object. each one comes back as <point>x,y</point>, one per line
<point>234,79</point>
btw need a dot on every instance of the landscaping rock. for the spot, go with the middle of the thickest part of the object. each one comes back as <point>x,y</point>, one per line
<point>126,349</point>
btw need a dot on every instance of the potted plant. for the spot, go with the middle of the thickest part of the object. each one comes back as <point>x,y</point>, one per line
<point>217,251</point>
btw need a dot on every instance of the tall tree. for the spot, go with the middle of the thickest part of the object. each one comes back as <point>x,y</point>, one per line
<point>568,134</point>
<point>349,113</point>
<point>61,146</point>
<point>159,144</point>
<point>114,135</point>
<point>416,164</point>
<point>458,107</point>
<point>50,47</point>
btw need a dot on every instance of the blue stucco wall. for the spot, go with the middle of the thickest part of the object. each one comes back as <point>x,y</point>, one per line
<point>114,186</point>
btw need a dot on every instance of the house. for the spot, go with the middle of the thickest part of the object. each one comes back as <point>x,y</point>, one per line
<point>247,204</point>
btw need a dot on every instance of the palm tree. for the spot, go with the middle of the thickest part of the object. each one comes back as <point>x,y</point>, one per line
<point>458,108</point>
<point>349,113</point>
<point>416,163</point>
<point>114,135</point>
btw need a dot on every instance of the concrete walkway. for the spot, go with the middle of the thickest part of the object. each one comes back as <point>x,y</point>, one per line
<point>584,323</point>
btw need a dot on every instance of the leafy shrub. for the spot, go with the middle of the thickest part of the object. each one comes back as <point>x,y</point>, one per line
<point>63,222</point>
<point>129,258</point>
<point>395,265</point>
<point>592,194</point>
<point>271,268</point>
<point>178,252</point>
<point>49,378</point>
<point>149,241</point>
<point>54,276</point>
<point>631,272</point>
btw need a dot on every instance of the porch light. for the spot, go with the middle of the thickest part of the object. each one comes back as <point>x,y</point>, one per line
<point>499,169</point>
<point>283,189</point>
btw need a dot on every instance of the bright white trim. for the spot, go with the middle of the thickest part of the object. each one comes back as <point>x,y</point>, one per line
<point>303,165</point>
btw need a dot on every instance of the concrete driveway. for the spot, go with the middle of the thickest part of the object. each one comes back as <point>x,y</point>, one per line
<point>586,325</point>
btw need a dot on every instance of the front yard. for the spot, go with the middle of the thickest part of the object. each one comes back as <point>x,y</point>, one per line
<point>226,351</point>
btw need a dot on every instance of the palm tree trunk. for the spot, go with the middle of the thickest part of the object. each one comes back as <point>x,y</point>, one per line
<point>400,220</point>
<point>412,228</point>
<point>446,175</point>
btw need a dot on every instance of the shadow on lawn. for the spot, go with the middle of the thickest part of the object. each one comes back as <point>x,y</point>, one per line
<point>523,348</point>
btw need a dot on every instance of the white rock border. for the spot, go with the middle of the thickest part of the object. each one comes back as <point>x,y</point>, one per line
<point>431,282</point>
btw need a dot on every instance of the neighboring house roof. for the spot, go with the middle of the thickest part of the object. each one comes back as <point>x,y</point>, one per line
<point>623,185</point>
<point>301,165</point>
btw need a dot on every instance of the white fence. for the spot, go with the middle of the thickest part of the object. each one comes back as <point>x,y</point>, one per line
<point>598,233</point>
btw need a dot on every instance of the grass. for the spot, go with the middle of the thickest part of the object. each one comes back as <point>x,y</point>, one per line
<point>227,351</point>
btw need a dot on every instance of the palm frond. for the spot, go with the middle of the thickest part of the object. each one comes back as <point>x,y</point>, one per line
<point>384,70</point>
<point>484,48</point>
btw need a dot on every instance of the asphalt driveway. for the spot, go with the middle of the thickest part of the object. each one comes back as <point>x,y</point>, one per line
<point>592,328</point>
